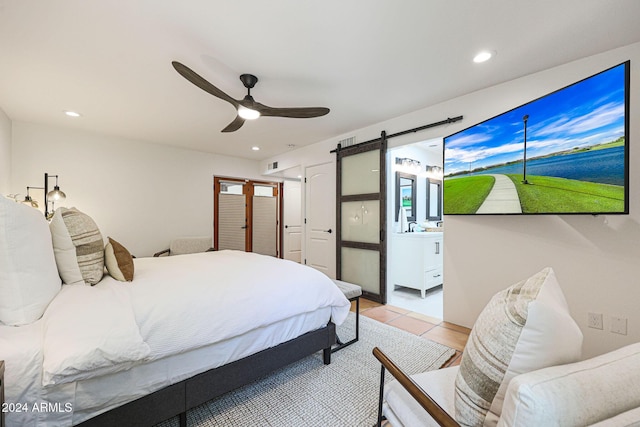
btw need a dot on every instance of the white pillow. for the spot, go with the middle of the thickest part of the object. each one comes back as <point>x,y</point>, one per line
<point>78,247</point>
<point>523,328</point>
<point>604,388</point>
<point>28,276</point>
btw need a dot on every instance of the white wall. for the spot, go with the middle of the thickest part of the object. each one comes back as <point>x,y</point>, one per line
<point>141,194</point>
<point>596,259</point>
<point>5,154</point>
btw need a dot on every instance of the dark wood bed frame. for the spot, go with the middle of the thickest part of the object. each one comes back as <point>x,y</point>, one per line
<point>178,398</point>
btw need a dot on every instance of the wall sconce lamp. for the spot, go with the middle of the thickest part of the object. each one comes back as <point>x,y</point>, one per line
<point>28,200</point>
<point>408,165</point>
<point>434,171</point>
<point>52,196</point>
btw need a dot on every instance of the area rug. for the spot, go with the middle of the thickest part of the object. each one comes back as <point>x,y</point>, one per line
<point>309,393</point>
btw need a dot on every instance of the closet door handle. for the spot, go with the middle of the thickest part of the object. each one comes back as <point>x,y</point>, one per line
<point>243,227</point>
<point>328,231</point>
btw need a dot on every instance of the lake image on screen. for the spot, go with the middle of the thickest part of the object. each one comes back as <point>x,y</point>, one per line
<point>562,153</point>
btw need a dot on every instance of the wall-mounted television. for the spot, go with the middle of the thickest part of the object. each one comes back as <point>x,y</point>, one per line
<point>564,153</point>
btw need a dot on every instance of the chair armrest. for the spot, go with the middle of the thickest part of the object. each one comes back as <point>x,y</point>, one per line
<point>157,254</point>
<point>422,397</point>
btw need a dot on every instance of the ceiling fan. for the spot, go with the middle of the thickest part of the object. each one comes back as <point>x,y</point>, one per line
<point>248,108</point>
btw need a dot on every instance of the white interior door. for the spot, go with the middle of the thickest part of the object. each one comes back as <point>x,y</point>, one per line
<point>292,218</point>
<point>320,215</point>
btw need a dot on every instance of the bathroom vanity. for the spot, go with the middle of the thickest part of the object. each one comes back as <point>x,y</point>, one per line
<point>416,260</point>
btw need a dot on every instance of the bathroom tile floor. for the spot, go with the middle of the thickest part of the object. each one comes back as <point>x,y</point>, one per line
<point>410,299</point>
<point>425,326</point>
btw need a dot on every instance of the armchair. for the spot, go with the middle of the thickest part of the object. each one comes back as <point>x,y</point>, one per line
<point>603,391</point>
<point>187,245</point>
<point>524,328</point>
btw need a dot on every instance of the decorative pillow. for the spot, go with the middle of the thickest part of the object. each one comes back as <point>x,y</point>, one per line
<point>601,389</point>
<point>523,328</point>
<point>119,261</point>
<point>78,247</point>
<point>28,276</point>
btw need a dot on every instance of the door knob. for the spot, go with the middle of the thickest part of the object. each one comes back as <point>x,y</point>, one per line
<point>328,231</point>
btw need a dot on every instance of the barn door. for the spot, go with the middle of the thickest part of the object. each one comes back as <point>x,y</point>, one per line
<point>361,217</point>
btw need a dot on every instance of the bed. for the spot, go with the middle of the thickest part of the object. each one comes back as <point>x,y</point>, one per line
<point>186,329</point>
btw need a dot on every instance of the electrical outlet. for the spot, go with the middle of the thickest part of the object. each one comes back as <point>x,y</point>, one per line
<point>619,325</point>
<point>594,320</point>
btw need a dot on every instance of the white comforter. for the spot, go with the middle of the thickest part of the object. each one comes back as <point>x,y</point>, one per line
<point>173,305</point>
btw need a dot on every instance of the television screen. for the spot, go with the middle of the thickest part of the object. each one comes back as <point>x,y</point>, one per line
<point>563,153</point>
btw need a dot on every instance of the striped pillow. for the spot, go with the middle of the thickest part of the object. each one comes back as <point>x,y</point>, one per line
<point>523,328</point>
<point>78,247</point>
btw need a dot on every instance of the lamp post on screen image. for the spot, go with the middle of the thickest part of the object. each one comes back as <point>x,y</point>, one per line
<point>524,163</point>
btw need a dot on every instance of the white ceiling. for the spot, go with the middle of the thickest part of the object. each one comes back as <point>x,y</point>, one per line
<point>367,60</point>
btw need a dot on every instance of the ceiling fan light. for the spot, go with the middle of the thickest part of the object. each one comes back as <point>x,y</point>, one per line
<point>247,113</point>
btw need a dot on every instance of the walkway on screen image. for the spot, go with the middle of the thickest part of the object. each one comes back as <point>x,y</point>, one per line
<point>503,197</point>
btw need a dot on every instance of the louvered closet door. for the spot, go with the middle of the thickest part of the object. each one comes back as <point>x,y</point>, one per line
<point>232,226</point>
<point>361,217</point>
<point>265,220</point>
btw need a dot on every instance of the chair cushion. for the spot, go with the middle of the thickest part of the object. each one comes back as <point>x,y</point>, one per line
<point>403,410</point>
<point>78,247</point>
<point>28,276</point>
<point>523,328</point>
<point>595,390</point>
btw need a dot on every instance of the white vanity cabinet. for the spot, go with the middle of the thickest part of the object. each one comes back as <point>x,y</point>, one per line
<point>416,260</point>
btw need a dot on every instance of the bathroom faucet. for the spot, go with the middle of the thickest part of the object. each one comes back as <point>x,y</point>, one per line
<point>412,226</point>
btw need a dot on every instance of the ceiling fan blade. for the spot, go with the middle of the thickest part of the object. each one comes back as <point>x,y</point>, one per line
<point>203,84</point>
<point>300,113</point>
<point>234,125</point>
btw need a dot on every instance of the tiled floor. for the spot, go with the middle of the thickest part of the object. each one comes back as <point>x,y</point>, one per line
<point>410,299</point>
<point>432,328</point>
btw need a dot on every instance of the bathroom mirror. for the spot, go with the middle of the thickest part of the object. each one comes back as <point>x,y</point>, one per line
<point>406,195</point>
<point>434,199</point>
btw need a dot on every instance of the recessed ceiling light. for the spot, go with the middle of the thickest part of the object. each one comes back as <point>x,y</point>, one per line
<point>72,114</point>
<point>483,56</point>
<point>255,148</point>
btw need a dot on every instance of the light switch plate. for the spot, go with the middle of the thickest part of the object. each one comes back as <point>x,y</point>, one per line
<point>619,325</point>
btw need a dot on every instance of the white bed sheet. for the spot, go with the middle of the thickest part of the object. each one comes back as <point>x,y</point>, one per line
<point>81,400</point>
<point>98,395</point>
